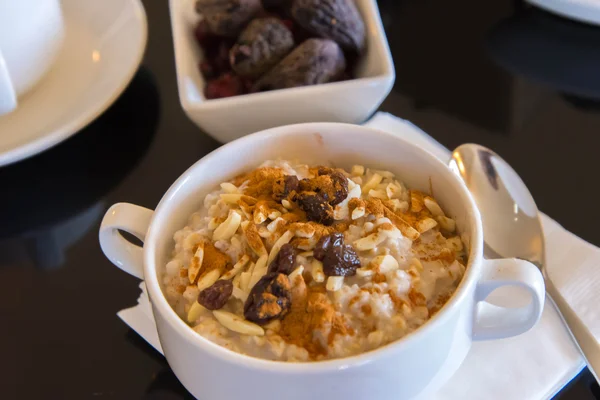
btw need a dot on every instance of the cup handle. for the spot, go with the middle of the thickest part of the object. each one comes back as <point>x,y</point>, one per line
<point>494,322</point>
<point>8,96</point>
<point>121,252</point>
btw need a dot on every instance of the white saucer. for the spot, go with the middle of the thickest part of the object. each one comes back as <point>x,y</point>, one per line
<point>587,11</point>
<point>104,45</point>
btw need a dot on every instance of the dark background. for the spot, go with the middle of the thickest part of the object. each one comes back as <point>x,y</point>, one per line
<point>520,81</point>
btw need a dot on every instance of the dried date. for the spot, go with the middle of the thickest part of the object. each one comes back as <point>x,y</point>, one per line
<point>315,61</point>
<point>214,297</point>
<point>284,261</point>
<point>316,207</point>
<point>263,43</point>
<point>338,20</point>
<point>269,299</point>
<point>227,17</point>
<point>339,259</point>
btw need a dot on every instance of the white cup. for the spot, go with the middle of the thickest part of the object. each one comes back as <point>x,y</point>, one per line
<point>420,361</point>
<point>31,35</point>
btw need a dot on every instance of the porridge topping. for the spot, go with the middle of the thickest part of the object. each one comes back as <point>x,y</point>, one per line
<point>297,263</point>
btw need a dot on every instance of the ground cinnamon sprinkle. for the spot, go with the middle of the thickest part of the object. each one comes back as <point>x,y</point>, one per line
<point>260,182</point>
<point>213,259</point>
<point>311,310</point>
<point>398,302</point>
<point>439,303</point>
<point>366,309</point>
<point>417,298</point>
<point>379,278</point>
<point>183,272</point>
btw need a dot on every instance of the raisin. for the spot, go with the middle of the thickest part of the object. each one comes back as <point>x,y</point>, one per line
<point>263,43</point>
<point>316,207</point>
<point>207,70</point>
<point>214,297</point>
<point>338,20</point>
<point>269,299</point>
<point>340,186</point>
<point>315,61</point>
<point>284,261</point>
<point>283,187</point>
<point>338,259</point>
<point>227,17</point>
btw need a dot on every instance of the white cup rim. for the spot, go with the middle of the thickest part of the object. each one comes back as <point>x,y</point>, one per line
<point>160,304</point>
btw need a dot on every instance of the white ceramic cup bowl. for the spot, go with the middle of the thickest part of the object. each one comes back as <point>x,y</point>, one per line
<point>400,370</point>
<point>31,35</point>
<point>227,119</point>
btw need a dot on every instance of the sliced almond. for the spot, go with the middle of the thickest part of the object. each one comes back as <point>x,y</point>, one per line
<point>416,263</point>
<point>236,280</point>
<point>357,170</point>
<point>416,201</point>
<point>372,183</point>
<point>239,294</point>
<point>334,283</point>
<point>407,230</point>
<point>447,224</point>
<point>259,270</point>
<point>286,204</point>
<point>274,214</point>
<point>196,263</point>
<point>378,194</point>
<point>358,212</point>
<point>233,272</point>
<point>229,188</point>
<point>237,324</point>
<point>253,238</point>
<point>245,280</point>
<point>426,224</point>
<point>385,174</point>
<point>392,191</point>
<point>306,254</point>
<point>228,228</point>
<point>208,279</point>
<point>369,242</point>
<point>364,272</point>
<point>283,239</point>
<point>317,271</point>
<point>455,243</point>
<point>298,271</point>
<point>194,312</point>
<point>433,207</point>
<point>384,264</point>
<point>231,198</point>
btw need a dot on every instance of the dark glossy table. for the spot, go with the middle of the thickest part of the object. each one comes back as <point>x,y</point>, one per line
<point>491,72</point>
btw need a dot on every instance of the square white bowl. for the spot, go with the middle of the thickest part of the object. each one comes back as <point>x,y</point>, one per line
<point>229,118</point>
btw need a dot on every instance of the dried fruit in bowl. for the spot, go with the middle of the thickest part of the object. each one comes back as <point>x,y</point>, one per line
<point>314,61</point>
<point>263,43</point>
<point>338,20</point>
<point>227,17</point>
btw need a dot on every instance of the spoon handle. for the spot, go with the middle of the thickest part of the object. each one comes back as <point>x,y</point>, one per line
<point>583,338</point>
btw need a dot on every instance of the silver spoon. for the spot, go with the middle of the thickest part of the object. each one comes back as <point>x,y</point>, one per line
<point>512,228</point>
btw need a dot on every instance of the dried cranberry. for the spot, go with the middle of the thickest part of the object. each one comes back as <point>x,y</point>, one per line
<point>316,207</point>
<point>226,85</point>
<point>338,259</point>
<point>214,297</point>
<point>269,299</point>
<point>283,187</point>
<point>284,261</point>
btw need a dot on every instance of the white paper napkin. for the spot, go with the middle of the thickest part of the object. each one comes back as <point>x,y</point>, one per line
<point>535,365</point>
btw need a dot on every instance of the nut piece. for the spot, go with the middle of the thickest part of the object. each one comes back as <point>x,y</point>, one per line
<point>314,61</point>
<point>284,260</point>
<point>338,20</point>
<point>237,324</point>
<point>338,259</point>
<point>214,297</point>
<point>227,17</point>
<point>317,209</point>
<point>263,43</point>
<point>269,299</point>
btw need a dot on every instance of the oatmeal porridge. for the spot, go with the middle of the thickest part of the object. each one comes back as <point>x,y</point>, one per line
<point>293,262</point>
